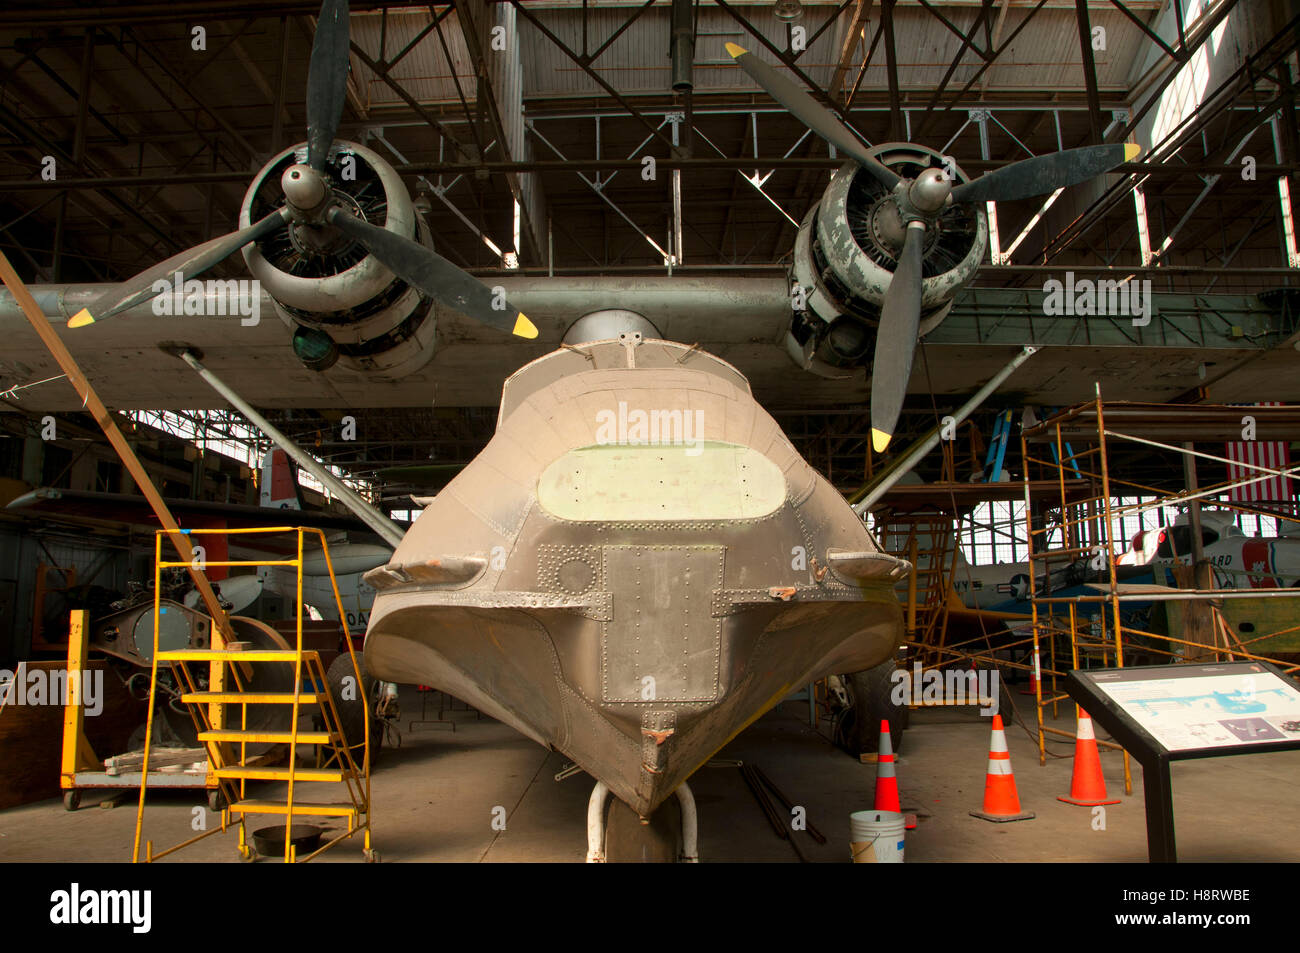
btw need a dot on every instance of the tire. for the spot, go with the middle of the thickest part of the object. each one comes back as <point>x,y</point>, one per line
<point>628,841</point>
<point>871,691</point>
<point>71,799</point>
<point>352,716</point>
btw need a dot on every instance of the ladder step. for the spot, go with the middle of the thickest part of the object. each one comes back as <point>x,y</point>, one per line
<point>249,698</point>
<point>280,774</point>
<point>266,737</point>
<point>299,807</point>
<point>225,655</point>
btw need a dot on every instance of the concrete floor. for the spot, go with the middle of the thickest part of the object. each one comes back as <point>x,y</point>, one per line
<point>434,799</point>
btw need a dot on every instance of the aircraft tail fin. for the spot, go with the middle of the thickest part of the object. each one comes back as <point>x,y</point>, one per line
<point>279,484</point>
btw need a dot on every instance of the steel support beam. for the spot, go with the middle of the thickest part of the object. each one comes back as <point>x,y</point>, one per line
<point>986,7</point>
<point>381,70</point>
<point>787,61</point>
<point>1224,96</point>
<point>592,165</point>
<point>584,61</point>
<point>44,17</point>
<point>500,94</point>
<point>891,71</point>
<point>1089,71</point>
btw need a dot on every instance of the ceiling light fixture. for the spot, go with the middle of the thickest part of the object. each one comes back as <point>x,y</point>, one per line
<point>788,10</point>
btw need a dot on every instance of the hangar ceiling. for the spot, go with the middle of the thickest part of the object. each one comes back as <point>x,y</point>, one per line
<point>155,142</point>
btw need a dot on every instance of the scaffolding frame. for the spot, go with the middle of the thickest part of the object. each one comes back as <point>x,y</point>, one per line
<point>931,602</point>
<point>1085,527</point>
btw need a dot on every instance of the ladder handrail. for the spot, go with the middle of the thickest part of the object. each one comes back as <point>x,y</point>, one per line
<point>356,780</point>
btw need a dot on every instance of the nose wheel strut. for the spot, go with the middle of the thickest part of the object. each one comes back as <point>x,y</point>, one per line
<point>615,834</point>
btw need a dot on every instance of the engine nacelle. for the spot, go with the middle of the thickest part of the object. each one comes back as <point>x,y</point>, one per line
<point>324,283</point>
<point>846,251</point>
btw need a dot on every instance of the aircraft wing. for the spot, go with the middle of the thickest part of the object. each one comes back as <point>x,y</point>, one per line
<point>741,320</point>
<point>741,323</point>
<point>83,506</point>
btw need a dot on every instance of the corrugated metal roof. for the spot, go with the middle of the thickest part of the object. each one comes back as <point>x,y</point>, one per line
<point>424,72</point>
<point>1044,55</point>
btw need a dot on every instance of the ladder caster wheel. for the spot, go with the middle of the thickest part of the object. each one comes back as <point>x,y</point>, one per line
<point>247,855</point>
<point>216,801</point>
<point>71,800</point>
<point>372,856</point>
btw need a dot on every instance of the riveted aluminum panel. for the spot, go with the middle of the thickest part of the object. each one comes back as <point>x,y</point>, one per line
<point>663,627</point>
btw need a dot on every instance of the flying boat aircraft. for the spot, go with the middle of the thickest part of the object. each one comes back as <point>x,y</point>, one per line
<point>639,564</point>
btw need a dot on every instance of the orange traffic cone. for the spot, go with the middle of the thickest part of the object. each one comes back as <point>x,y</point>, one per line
<point>1033,678</point>
<point>887,777</point>
<point>1001,802</point>
<point>1087,786</point>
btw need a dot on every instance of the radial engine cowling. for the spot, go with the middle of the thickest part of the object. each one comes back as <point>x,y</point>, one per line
<point>323,283</point>
<point>845,254</point>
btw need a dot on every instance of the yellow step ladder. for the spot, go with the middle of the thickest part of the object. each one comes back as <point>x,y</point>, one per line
<point>220,711</point>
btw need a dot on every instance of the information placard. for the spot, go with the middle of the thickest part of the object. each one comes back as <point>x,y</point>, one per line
<point>1186,707</point>
<point>1166,713</point>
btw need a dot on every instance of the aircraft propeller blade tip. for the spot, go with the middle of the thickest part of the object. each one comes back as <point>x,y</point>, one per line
<point>736,50</point>
<point>81,319</point>
<point>879,440</point>
<point>524,328</point>
<point>1131,151</point>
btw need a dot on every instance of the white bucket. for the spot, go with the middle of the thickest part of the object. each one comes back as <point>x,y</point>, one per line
<point>876,837</point>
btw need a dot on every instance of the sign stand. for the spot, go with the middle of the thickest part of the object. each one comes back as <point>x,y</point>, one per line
<point>1167,713</point>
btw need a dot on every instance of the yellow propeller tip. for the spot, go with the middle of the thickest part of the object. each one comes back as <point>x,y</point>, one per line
<point>1131,151</point>
<point>524,328</point>
<point>736,50</point>
<point>879,440</point>
<point>81,319</point>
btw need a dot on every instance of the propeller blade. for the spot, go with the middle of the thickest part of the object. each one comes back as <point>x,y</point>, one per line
<point>327,80</point>
<point>433,274</point>
<point>811,113</point>
<point>189,263</point>
<point>1046,173</point>
<point>896,340</point>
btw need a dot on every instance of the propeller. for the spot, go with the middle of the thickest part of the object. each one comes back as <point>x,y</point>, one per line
<point>811,113</point>
<point>433,274</point>
<point>193,262</point>
<point>327,80</point>
<point>920,202</point>
<point>896,340</point>
<point>310,202</point>
<point>1039,175</point>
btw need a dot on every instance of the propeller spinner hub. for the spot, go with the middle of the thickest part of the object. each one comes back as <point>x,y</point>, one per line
<point>929,191</point>
<point>304,187</point>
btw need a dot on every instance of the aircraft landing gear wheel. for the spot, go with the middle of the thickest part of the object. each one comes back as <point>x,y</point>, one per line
<point>872,692</point>
<point>71,800</point>
<point>352,717</point>
<point>628,841</point>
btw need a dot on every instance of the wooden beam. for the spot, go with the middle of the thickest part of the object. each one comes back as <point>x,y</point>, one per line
<point>856,24</point>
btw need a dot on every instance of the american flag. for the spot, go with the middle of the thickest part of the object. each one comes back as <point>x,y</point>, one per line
<point>1273,454</point>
